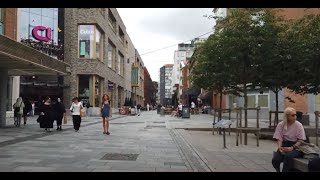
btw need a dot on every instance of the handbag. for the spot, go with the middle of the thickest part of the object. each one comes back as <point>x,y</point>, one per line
<point>82,112</point>
<point>40,118</point>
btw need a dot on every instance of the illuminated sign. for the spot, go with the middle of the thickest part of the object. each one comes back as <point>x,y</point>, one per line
<point>35,33</point>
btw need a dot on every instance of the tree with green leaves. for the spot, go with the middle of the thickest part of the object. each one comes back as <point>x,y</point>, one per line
<point>209,70</point>
<point>303,36</point>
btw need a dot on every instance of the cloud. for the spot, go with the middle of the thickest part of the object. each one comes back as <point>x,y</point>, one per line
<point>180,23</point>
<point>155,28</point>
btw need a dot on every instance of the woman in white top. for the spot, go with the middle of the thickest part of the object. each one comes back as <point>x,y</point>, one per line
<point>75,108</point>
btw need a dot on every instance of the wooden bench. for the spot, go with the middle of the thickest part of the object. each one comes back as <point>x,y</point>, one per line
<point>239,128</point>
<point>253,130</point>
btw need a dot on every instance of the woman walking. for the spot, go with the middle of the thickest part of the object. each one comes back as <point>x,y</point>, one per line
<point>60,111</point>
<point>46,115</point>
<point>106,113</point>
<point>18,111</point>
<point>75,108</point>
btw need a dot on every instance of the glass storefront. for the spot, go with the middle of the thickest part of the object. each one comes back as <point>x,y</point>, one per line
<point>90,90</point>
<point>39,29</point>
<point>84,89</point>
<point>90,42</point>
<point>1,20</point>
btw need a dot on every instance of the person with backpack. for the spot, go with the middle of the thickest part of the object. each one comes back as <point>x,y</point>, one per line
<point>18,111</point>
<point>26,110</point>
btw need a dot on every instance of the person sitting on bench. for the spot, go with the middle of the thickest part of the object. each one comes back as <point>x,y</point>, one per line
<point>289,134</point>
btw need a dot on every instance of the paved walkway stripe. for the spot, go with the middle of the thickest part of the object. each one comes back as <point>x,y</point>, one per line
<point>35,136</point>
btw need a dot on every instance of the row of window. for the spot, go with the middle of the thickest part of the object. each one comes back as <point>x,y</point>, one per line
<point>254,100</point>
<point>91,42</point>
<point>47,12</point>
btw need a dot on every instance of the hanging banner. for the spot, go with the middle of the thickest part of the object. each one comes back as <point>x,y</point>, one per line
<point>135,76</point>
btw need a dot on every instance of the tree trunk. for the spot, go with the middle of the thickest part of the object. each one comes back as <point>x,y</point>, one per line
<point>277,107</point>
<point>220,108</point>
<point>245,112</point>
<point>220,105</point>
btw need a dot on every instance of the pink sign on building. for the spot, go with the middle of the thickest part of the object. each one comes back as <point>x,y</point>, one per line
<point>37,36</point>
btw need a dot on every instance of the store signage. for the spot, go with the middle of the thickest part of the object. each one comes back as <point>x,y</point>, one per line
<point>35,33</point>
<point>86,31</point>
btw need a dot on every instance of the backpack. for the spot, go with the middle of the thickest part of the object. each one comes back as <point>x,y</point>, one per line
<point>17,109</point>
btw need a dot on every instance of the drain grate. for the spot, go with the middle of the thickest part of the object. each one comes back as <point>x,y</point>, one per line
<point>5,156</point>
<point>118,156</point>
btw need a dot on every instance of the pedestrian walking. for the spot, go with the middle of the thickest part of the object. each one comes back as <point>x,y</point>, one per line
<point>289,134</point>
<point>148,107</point>
<point>26,110</point>
<point>33,108</point>
<point>18,111</point>
<point>60,113</point>
<point>75,108</point>
<point>46,116</point>
<point>106,113</point>
<point>139,109</point>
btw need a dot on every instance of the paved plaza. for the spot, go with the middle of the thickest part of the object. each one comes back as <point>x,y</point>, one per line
<point>146,143</point>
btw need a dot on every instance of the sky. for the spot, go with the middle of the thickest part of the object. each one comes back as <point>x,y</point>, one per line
<point>155,28</point>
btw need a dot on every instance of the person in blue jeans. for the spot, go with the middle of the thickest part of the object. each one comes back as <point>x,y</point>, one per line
<point>106,113</point>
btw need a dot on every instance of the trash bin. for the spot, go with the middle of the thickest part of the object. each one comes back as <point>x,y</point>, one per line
<point>299,116</point>
<point>162,112</point>
<point>185,112</point>
<point>158,109</point>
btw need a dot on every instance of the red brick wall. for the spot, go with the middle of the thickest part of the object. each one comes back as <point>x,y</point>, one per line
<point>301,102</point>
<point>296,13</point>
<point>10,23</point>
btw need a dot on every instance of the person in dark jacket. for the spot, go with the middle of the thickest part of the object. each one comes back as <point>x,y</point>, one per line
<point>139,109</point>
<point>60,112</point>
<point>26,110</point>
<point>46,116</point>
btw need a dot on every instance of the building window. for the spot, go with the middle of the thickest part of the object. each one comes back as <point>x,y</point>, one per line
<point>112,20</point>
<point>263,101</point>
<point>111,54</point>
<point>98,93</point>
<point>90,42</point>
<point>251,101</point>
<point>126,46</point>
<point>1,20</point>
<point>256,100</point>
<point>120,64</point>
<point>121,35</point>
<point>85,90</point>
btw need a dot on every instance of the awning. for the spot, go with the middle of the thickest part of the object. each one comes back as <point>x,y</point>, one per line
<point>193,91</point>
<point>20,59</point>
<point>205,94</point>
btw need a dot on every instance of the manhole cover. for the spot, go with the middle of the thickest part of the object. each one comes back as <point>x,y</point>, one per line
<point>5,156</point>
<point>118,156</point>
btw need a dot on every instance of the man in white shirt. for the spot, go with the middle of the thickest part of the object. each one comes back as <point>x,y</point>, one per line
<point>193,105</point>
<point>180,109</point>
